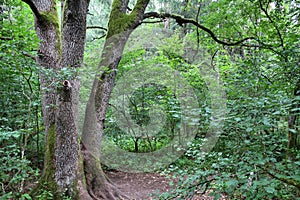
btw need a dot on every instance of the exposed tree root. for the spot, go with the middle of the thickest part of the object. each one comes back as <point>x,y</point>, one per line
<point>97,183</point>
<point>83,193</point>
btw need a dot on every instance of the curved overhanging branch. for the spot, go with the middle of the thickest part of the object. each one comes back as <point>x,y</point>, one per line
<point>181,20</point>
<point>32,6</point>
<point>153,22</point>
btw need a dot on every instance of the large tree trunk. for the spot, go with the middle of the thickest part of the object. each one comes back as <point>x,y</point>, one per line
<point>60,48</point>
<point>48,58</point>
<point>94,124</point>
<point>69,170</point>
<point>120,27</point>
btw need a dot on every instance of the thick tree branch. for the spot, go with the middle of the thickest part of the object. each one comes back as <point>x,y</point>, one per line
<point>181,20</point>
<point>153,22</point>
<point>140,7</point>
<point>33,8</point>
<point>119,6</point>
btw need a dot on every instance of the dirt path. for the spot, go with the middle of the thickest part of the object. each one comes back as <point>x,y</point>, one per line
<point>138,186</point>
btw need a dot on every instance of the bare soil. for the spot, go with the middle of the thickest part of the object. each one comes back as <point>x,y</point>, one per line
<point>138,186</point>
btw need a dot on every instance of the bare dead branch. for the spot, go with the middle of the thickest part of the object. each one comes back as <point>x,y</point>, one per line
<point>212,59</point>
<point>181,20</point>
<point>197,30</point>
<point>98,38</point>
<point>288,181</point>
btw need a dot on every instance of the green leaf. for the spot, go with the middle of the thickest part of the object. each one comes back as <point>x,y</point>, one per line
<point>270,190</point>
<point>293,130</point>
<point>231,183</point>
<point>26,196</point>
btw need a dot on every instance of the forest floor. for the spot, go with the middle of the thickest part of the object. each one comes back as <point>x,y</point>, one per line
<point>138,186</point>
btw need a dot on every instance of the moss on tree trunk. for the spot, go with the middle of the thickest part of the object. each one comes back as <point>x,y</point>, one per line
<point>71,169</point>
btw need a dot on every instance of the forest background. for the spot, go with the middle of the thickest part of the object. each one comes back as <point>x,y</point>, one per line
<point>252,48</point>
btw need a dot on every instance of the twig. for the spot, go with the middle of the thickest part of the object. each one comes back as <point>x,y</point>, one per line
<point>98,38</point>
<point>96,27</point>
<point>272,22</point>
<point>28,55</point>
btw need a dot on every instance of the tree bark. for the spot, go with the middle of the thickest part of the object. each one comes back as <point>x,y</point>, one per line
<point>120,27</point>
<point>58,50</point>
<point>69,170</point>
<point>48,58</point>
<point>67,147</point>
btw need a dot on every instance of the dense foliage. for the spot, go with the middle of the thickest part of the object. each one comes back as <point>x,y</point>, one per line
<point>257,155</point>
<point>21,138</point>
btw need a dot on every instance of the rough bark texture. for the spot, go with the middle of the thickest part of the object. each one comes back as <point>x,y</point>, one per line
<point>119,28</point>
<point>48,57</point>
<point>70,170</point>
<point>67,148</point>
<point>57,50</point>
